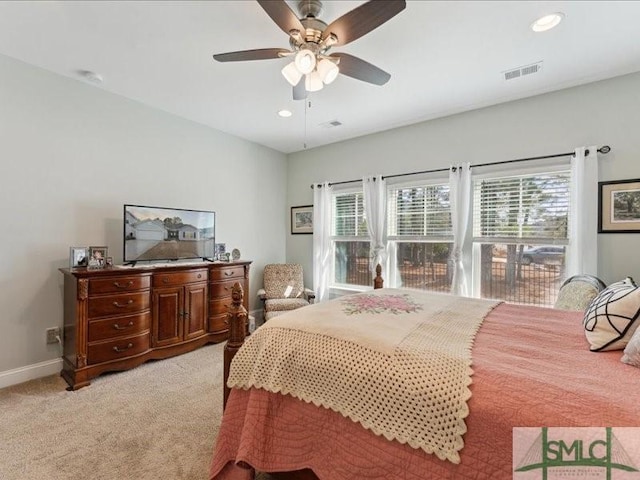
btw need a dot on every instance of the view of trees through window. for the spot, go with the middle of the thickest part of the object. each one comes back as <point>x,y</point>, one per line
<point>521,226</point>
<point>350,240</point>
<point>520,233</point>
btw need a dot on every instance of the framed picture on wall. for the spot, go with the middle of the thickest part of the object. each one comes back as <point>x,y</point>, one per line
<point>302,219</point>
<point>619,206</point>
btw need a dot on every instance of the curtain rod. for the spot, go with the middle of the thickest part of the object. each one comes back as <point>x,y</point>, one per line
<point>604,150</point>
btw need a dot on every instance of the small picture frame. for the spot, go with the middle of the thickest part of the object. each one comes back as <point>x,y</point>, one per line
<point>97,257</point>
<point>220,250</point>
<point>77,257</point>
<point>302,219</point>
<point>619,206</point>
<point>109,262</point>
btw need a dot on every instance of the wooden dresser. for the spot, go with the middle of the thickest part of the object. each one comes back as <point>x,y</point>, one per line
<point>117,318</point>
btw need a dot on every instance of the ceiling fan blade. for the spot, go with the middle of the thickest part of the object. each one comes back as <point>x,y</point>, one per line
<point>299,91</point>
<point>284,17</point>
<point>257,54</point>
<point>357,68</point>
<point>361,20</point>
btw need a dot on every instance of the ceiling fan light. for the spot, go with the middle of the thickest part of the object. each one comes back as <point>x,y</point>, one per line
<point>305,61</point>
<point>292,74</point>
<point>328,70</point>
<point>313,82</point>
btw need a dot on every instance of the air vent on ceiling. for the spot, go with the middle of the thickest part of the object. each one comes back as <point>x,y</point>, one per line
<point>523,71</point>
<point>331,124</point>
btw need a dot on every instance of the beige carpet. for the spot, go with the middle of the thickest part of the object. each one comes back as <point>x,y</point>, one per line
<point>157,421</point>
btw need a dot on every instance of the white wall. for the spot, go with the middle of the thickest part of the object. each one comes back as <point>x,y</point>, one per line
<point>71,155</point>
<point>606,112</point>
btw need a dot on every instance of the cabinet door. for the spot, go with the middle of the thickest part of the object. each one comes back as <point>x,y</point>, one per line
<point>168,316</point>
<point>195,316</point>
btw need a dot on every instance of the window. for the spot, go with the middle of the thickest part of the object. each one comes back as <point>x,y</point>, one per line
<point>520,226</point>
<point>350,240</point>
<point>419,225</point>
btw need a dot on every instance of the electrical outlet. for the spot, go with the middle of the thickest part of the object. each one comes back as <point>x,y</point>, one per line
<point>53,334</point>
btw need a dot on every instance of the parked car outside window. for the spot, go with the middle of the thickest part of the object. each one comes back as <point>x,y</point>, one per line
<point>543,256</point>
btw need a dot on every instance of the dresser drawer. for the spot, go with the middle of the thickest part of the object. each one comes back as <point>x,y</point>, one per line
<point>218,323</point>
<point>227,273</point>
<point>118,304</point>
<point>119,326</point>
<point>179,278</point>
<point>117,349</point>
<point>219,306</point>
<point>221,289</point>
<point>98,286</point>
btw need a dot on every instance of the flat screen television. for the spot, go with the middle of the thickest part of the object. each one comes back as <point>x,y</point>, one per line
<point>164,234</point>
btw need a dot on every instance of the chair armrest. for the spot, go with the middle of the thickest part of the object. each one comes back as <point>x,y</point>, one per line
<point>310,294</point>
<point>262,294</point>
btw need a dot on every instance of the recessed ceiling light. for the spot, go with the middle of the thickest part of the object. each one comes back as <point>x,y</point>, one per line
<point>90,76</point>
<point>547,22</point>
<point>285,113</point>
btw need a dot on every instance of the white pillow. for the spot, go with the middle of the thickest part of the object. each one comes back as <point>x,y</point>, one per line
<point>613,316</point>
<point>632,352</point>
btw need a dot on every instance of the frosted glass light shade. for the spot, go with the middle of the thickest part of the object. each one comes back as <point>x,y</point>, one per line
<point>291,73</point>
<point>328,70</point>
<point>305,61</point>
<point>313,82</point>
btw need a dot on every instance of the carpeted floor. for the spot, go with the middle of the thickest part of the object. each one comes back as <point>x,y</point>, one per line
<point>157,421</point>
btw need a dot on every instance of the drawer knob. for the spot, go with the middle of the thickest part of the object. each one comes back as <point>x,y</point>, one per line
<point>199,275</point>
<point>118,349</point>
<point>228,274</point>
<point>122,305</point>
<point>118,327</point>
<point>120,285</point>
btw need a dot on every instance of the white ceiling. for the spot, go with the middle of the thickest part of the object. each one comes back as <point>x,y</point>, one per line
<point>444,57</point>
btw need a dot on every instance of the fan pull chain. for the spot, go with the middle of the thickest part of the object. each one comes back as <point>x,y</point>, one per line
<point>305,122</point>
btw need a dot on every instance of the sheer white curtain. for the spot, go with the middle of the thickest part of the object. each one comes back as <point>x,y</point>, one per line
<point>321,240</point>
<point>375,210</point>
<point>460,200</point>
<point>582,254</point>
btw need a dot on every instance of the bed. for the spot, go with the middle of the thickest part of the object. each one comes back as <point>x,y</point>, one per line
<point>532,367</point>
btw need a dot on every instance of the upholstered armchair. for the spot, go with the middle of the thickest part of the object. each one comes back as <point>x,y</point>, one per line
<point>283,289</point>
<point>577,292</point>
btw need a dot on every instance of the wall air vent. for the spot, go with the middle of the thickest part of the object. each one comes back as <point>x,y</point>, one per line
<point>522,71</point>
<point>331,124</point>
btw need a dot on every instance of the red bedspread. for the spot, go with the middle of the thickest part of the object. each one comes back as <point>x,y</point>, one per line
<point>532,368</point>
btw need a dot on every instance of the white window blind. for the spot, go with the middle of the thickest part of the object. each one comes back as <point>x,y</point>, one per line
<point>348,215</point>
<point>419,211</point>
<point>532,208</point>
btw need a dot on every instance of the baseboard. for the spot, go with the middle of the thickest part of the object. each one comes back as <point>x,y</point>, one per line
<point>53,367</point>
<point>30,372</point>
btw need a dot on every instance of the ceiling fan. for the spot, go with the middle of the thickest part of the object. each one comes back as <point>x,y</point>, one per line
<point>310,39</point>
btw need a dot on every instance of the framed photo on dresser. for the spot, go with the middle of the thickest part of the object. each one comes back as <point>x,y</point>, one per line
<point>77,257</point>
<point>97,257</point>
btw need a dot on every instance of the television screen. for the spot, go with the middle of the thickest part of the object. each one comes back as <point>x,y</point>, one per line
<point>156,233</point>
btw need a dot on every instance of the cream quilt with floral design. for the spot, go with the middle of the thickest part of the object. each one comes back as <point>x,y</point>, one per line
<point>396,361</point>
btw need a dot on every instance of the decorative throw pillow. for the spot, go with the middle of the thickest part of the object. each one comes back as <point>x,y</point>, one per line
<point>632,352</point>
<point>613,316</point>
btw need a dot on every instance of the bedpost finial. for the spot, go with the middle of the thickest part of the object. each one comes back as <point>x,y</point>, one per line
<point>378,281</point>
<point>237,293</point>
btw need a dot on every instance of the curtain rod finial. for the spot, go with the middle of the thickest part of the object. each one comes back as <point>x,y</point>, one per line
<point>604,149</point>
